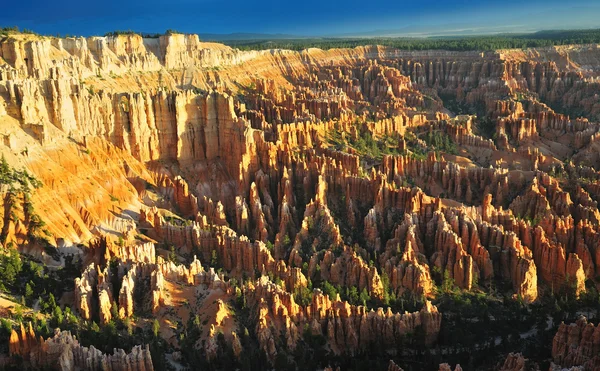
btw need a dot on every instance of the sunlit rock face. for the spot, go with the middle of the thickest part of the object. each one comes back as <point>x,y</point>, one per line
<point>283,196</point>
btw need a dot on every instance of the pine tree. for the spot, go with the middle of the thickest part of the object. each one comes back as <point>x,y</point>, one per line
<point>155,327</point>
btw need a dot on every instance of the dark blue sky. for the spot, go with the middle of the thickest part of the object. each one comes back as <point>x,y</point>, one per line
<point>301,17</point>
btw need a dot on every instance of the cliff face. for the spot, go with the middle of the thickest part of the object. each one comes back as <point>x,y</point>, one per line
<point>195,168</point>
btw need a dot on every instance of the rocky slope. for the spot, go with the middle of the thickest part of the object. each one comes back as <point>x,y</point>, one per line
<point>319,193</point>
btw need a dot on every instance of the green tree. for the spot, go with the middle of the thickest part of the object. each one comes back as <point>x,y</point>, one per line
<point>364,297</point>
<point>69,316</point>
<point>172,257</point>
<point>57,314</point>
<point>128,326</point>
<point>114,310</point>
<point>29,290</point>
<point>10,267</point>
<point>286,241</point>
<point>214,259</point>
<point>155,327</point>
<point>447,283</point>
<point>329,290</point>
<point>6,326</point>
<point>385,280</point>
<point>353,296</point>
<point>269,246</point>
<point>110,330</point>
<point>303,296</point>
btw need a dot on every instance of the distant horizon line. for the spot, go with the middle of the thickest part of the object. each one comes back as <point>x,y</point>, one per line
<point>261,36</point>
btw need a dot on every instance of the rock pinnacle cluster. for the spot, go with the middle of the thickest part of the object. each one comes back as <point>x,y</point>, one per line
<point>224,207</point>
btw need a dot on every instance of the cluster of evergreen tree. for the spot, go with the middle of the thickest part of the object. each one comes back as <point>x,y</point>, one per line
<point>14,29</point>
<point>11,30</point>
<point>142,34</point>
<point>458,43</point>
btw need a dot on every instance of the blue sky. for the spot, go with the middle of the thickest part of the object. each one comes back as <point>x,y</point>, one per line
<point>301,17</point>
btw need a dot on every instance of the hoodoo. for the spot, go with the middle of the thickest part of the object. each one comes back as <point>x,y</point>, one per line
<point>169,203</point>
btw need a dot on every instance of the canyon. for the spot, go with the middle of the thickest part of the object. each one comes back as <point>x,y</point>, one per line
<point>228,207</point>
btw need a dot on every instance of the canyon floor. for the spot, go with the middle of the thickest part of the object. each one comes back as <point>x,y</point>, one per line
<point>174,204</point>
